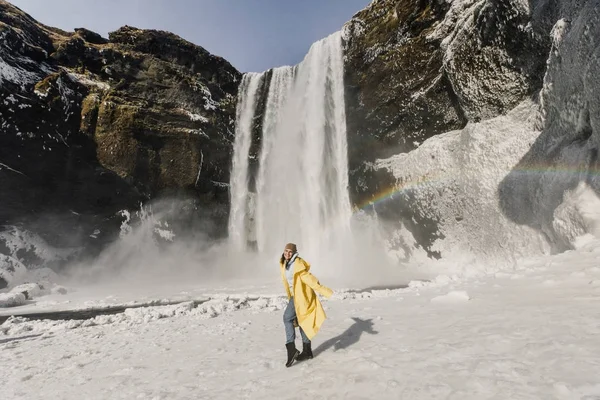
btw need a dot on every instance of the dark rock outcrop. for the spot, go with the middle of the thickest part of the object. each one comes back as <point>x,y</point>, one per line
<point>397,94</point>
<point>90,126</point>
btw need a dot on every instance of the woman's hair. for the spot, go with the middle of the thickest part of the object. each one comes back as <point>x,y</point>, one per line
<point>282,260</point>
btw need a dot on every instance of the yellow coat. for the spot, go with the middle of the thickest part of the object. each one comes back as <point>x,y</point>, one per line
<point>309,310</point>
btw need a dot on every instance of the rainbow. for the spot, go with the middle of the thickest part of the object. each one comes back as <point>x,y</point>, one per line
<point>398,188</point>
<point>560,172</point>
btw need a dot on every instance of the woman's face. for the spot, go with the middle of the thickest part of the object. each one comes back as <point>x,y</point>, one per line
<point>287,254</point>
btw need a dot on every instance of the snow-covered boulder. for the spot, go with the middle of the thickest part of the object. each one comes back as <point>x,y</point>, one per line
<point>12,299</point>
<point>31,290</point>
<point>11,270</point>
<point>578,215</point>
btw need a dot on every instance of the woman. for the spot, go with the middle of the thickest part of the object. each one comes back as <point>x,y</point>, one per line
<point>304,308</point>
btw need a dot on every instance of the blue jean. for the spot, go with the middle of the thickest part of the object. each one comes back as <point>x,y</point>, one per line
<point>289,315</point>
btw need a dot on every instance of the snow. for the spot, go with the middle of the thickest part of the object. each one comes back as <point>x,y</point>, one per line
<point>84,80</point>
<point>456,296</point>
<point>10,98</point>
<point>30,289</point>
<point>12,299</point>
<point>209,103</point>
<point>17,240</point>
<point>514,338</point>
<point>558,32</point>
<point>578,215</point>
<point>566,150</point>
<point>460,13</point>
<point>196,117</point>
<point>66,94</point>
<point>454,178</point>
<point>19,294</point>
<point>485,92</point>
<point>41,94</point>
<point>198,132</point>
<point>11,269</point>
<point>16,75</point>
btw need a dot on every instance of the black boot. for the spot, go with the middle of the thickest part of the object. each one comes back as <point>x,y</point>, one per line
<point>292,353</point>
<point>306,352</point>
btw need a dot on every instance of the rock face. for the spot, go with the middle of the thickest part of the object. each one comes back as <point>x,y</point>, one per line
<point>453,179</point>
<point>416,69</point>
<point>555,187</point>
<point>90,126</point>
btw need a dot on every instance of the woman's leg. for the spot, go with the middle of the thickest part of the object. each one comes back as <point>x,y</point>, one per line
<point>305,339</point>
<point>289,315</point>
<point>288,321</point>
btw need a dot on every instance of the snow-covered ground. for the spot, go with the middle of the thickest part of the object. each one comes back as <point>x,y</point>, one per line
<point>127,294</point>
<point>527,333</point>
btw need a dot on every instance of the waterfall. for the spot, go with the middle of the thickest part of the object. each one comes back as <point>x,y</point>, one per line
<point>279,89</point>
<point>241,146</point>
<point>302,181</point>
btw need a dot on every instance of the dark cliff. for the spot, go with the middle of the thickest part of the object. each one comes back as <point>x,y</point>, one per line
<point>90,126</point>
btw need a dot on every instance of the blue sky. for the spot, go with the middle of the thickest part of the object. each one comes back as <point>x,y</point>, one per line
<point>254,35</point>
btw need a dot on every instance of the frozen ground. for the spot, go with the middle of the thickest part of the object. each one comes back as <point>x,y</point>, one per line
<point>128,293</point>
<point>531,333</point>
